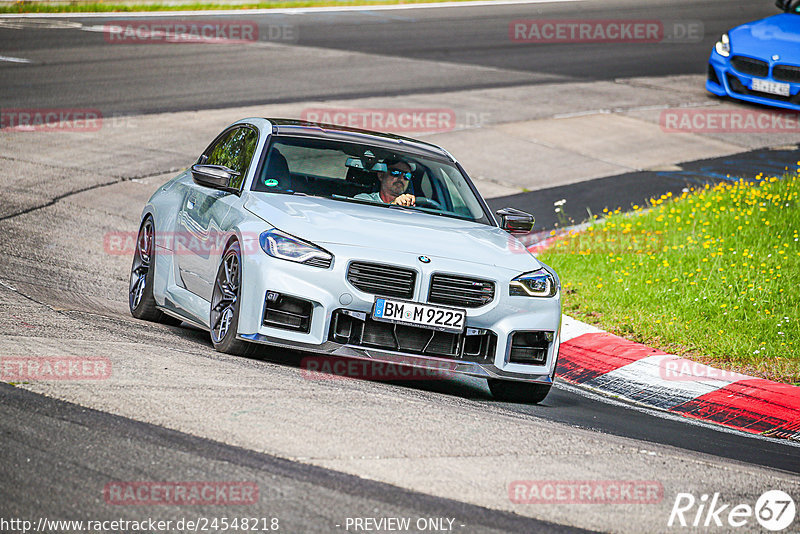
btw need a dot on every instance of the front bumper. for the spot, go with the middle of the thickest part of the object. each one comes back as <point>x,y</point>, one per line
<point>328,291</point>
<point>724,80</point>
<point>439,365</point>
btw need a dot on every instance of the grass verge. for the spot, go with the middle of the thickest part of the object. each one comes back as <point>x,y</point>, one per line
<point>712,275</point>
<point>107,7</point>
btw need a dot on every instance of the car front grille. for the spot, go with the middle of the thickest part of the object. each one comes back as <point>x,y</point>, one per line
<point>461,291</point>
<point>360,329</point>
<point>750,66</point>
<point>786,73</point>
<point>384,280</point>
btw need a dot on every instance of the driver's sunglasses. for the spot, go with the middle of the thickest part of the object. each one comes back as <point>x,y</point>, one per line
<point>401,174</point>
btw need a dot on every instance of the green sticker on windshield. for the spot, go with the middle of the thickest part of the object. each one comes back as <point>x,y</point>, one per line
<point>271,182</point>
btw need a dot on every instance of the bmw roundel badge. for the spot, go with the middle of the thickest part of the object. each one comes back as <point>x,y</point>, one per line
<point>424,259</point>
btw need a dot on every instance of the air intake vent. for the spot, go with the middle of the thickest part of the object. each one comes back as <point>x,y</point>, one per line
<point>712,75</point>
<point>361,330</point>
<point>317,261</point>
<point>460,291</point>
<point>384,280</point>
<point>287,313</point>
<point>530,347</point>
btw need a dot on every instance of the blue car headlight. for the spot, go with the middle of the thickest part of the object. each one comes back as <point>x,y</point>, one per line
<point>535,284</point>
<point>723,46</point>
<point>285,247</point>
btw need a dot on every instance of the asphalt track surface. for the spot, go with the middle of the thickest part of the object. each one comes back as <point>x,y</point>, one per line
<point>591,197</point>
<point>460,48</point>
<point>75,68</point>
<point>66,455</point>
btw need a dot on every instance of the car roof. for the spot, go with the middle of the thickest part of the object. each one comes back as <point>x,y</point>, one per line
<point>299,128</point>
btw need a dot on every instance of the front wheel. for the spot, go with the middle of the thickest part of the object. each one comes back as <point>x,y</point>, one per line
<point>140,290</point>
<point>224,318</point>
<point>521,392</point>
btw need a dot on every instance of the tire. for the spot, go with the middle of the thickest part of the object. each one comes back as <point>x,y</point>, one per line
<point>520,392</point>
<point>140,289</point>
<point>224,313</point>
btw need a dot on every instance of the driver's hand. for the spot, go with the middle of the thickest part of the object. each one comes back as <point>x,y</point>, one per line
<point>405,200</point>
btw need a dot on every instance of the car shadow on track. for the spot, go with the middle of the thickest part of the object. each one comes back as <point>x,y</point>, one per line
<point>329,368</point>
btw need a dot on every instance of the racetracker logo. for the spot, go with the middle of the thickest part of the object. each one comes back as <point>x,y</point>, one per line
<point>181,493</point>
<point>23,368</point>
<point>681,370</point>
<point>729,121</point>
<point>586,492</point>
<point>331,368</point>
<point>187,32</point>
<point>419,120</point>
<point>179,243</point>
<point>50,120</point>
<point>605,31</point>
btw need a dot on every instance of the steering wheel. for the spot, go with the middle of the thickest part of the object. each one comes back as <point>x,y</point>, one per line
<point>423,202</point>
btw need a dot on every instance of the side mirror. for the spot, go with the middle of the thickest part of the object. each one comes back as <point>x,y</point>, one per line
<point>515,221</point>
<point>214,176</point>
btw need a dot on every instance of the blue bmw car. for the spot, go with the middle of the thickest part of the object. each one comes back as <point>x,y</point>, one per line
<point>760,61</point>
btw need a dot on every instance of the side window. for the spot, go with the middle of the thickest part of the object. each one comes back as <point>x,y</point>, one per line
<point>235,151</point>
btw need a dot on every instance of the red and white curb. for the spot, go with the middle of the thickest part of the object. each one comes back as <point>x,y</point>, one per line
<point>595,359</point>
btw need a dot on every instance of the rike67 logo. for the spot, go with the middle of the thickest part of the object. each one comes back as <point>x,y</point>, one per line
<point>774,511</point>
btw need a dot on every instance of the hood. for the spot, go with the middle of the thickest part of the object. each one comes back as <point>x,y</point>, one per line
<point>326,221</point>
<point>779,34</point>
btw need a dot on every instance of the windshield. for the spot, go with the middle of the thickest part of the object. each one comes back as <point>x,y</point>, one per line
<point>351,172</point>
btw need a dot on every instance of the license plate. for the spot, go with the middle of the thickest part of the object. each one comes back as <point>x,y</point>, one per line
<point>774,88</point>
<point>415,314</point>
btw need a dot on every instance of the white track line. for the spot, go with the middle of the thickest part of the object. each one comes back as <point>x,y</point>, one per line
<point>14,59</point>
<point>279,11</point>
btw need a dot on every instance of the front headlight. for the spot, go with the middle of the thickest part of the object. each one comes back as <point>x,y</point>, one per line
<point>536,284</point>
<point>723,46</point>
<point>285,247</point>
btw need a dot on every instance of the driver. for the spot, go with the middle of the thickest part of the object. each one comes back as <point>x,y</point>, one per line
<point>394,183</point>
